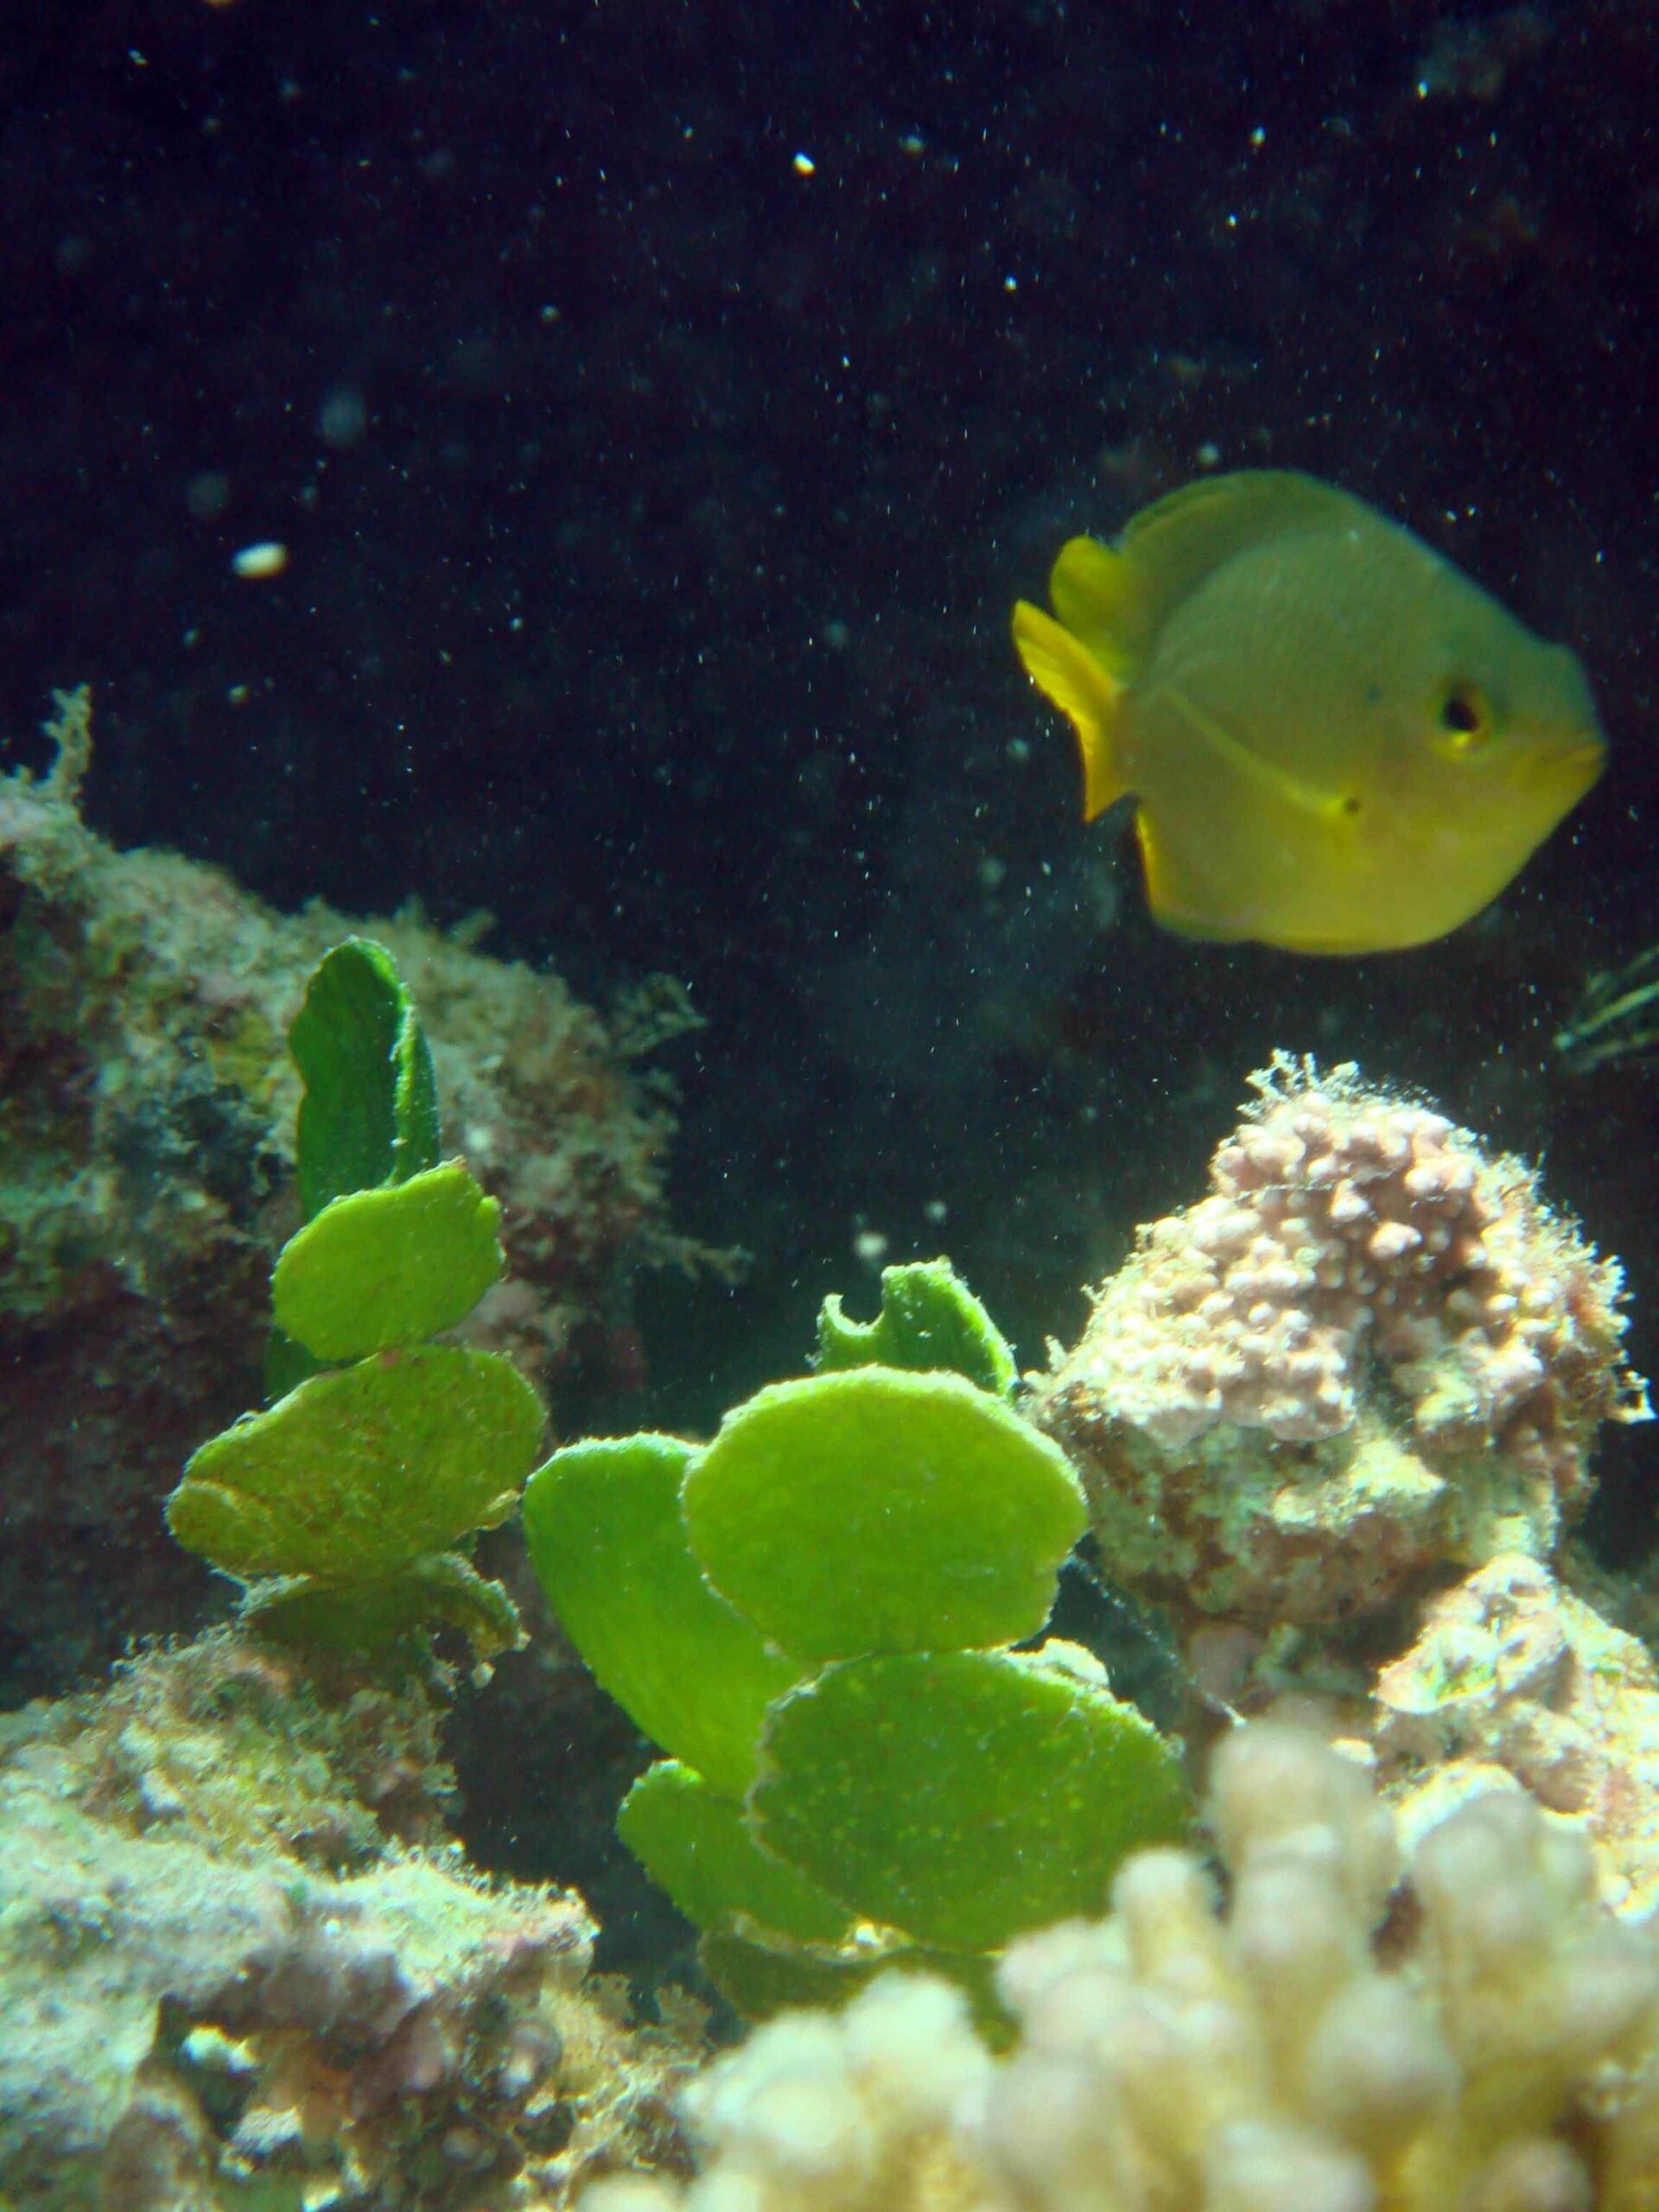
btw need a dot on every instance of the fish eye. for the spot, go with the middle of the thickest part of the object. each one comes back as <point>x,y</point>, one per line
<point>1465,717</point>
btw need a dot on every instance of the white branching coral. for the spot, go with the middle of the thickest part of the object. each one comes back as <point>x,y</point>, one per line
<point>1481,2038</point>
<point>1372,1348</point>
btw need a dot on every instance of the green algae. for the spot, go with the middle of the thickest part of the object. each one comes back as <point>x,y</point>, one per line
<point>384,1267</point>
<point>347,1506</point>
<point>814,1614</point>
<point>964,1797</point>
<point>878,1510</point>
<point>360,1471</point>
<point>928,1318</point>
<point>605,1537</point>
<point>369,1112</point>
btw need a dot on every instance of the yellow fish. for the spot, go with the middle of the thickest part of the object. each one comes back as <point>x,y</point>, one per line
<point>1339,743</point>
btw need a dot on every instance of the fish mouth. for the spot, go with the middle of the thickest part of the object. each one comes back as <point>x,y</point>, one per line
<point>1572,767</point>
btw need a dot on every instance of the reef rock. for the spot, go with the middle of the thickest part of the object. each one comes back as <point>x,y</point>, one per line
<point>236,1956</point>
<point>1513,1682</point>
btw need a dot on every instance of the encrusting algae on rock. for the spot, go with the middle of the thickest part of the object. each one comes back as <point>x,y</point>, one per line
<point>1370,1354</point>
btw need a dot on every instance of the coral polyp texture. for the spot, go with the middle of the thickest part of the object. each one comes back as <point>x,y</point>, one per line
<point>1370,1354</point>
<point>1480,2037</point>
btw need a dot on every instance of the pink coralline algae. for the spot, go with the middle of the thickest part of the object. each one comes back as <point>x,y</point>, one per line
<point>1370,1354</point>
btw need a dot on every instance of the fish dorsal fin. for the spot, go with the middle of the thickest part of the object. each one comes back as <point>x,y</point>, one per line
<point>1174,544</point>
<point>1100,598</point>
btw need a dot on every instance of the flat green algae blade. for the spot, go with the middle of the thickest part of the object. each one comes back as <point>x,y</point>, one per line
<point>369,1111</point>
<point>697,1846</point>
<point>386,1267</point>
<point>361,1617</point>
<point>929,1319</point>
<point>361,1471</point>
<point>963,1797</point>
<point>879,1510</point>
<point>603,1524</point>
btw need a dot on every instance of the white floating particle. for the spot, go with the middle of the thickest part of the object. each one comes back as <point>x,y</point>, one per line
<point>803,165</point>
<point>268,558</point>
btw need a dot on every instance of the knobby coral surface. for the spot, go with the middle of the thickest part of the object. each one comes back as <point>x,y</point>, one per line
<point>1484,2039</point>
<point>238,1962</point>
<point>1372,1351</point>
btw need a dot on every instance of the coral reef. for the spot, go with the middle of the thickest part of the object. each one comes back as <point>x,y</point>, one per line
<point>146,1113</point>
<point>1372,1352</point>
<point>1484,2037</point>
<point>237,1953</point>
<point>1513,1682</point>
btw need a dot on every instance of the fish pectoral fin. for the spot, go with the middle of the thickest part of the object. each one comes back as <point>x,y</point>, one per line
<point>1335,809</point>
<point>1064,668</point>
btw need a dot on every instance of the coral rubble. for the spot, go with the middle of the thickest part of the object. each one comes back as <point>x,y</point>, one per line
<point>237,1955</point>
<point>1490,2043</point>
<point>146,1118</point>
<point>1370,1354</point>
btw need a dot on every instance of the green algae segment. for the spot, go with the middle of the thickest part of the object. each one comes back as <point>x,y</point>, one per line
<point>698,1846</point>
<point>878,1510</point>
<point>964,1797</point>
<point>388,1267</point>
<point>929,1319</point>
<point>369,1112</point>
<point>361,1471</point>
<point>441,1587</point>
<point>603,1526</point>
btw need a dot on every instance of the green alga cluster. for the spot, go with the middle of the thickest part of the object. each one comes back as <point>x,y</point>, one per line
<point>347,1506</point>
<point>817,1616</point>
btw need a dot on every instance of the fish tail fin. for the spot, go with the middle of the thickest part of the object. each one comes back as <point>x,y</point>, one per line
<point>1065,669</point>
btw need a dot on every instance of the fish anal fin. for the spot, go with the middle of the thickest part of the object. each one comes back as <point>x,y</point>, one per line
<point>1087,693</point>
<point>1177,904</point>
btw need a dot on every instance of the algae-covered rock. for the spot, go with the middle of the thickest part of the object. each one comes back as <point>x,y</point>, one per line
<point>240,1965</point>
<point>146,1179</point>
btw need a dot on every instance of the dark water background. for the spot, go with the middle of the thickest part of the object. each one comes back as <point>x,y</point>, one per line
<point>663,404</point>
